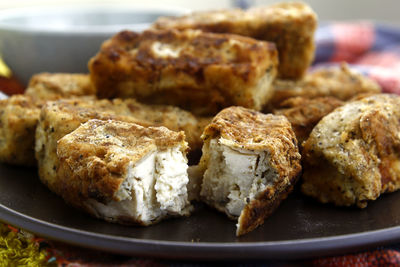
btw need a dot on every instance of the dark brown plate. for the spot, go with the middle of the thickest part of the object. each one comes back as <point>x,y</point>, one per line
<point>299,228</point>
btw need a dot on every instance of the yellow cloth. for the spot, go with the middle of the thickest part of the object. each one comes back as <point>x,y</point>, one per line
<point>4,70</point>
<point>18,248</point>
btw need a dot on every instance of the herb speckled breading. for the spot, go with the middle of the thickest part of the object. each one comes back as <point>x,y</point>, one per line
<point>352,155</point>
<point>304,113</point>
<point>341,83</point>
<point>61,117</point>
<point>53,86</point>
<point>250,163</point>
<point>19,115</point>
<point>123,172</point>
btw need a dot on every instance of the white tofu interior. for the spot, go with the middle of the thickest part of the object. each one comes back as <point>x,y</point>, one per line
<point>172,179</point>
<point>154,187</point>
<point>165,50</point>
<point>234,177</point>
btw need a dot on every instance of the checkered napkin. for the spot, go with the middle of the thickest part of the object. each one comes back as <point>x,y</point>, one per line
<point>371,49</point>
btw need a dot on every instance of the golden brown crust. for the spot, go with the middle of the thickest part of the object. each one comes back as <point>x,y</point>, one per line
<point>61,117</point>
<point>18,118</point>
<point>53,86</point>
<point>95,157</point>
<point>57,119</point>
<point>341,83</point>
<point>351,156</point>
<point>171,117</point>
<point>201,72</point>
<point>304,113</point>
<point>19,114</point>
<point>254,214</point>
<point>290,26</point>
<point>248,130</point>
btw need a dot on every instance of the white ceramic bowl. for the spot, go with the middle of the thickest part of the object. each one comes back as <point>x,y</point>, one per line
<point>64,38</point>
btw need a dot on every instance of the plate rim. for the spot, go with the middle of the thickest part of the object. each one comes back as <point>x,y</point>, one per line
<point>272,250</point>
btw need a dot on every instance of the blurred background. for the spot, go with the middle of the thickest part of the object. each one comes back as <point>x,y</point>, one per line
<point>386,11</point>
<point>22,56</point>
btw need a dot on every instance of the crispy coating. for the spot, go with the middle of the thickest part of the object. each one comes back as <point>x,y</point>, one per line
<point>250,132</point>
<point>200,72</point>
<point>97,158</point>
<point>58,119</point>
<point>290,26</point>
<point>171,117</point>
<point>24,114</point>
<point>53,86</point>
<point>18,118</point>
<point>19,114</point>
<point>62,117</point>
<point>304,113</point>
<point>352,155</point>
<point>246,129</point>
<point>341,83</point>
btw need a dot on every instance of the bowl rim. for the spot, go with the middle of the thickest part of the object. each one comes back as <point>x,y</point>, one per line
<point>83,29</point>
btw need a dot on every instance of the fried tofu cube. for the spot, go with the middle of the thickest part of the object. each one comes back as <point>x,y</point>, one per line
<point>352,156</point>
<point>61,117</point>
<point>339,82</point>
<point>251,163</point>
<point>171,117</point>
<point>19,115</point>
<point>123,172</point>
<point>291,26</point>
<point>304,113</point>
<point>53,86</point>
<point>199,72</point>
<point>58,119</point>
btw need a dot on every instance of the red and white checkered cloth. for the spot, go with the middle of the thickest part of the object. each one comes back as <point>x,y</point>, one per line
<point>369,48</point>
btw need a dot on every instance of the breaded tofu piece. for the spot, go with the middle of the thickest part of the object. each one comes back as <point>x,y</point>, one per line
<point>291,26</point>
<point>53,86</point>
<point>58,119</point>
<point>251,163</point>
<point>123,172</point>
<point>61,117</point>
<point>353,154</point>
<point>339,82</point>
<point>200,72</point>
<point>304,113</point>
<point>171,117</point>
<point>19,115</point>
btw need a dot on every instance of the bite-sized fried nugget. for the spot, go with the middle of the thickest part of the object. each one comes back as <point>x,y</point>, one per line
<point>251,164</point>
<point>53,86</point>
<point>200,72</point>
<point>59,118</point>
<point>290,26</point>
<point>304,113</point>
<point>341,83</point>
<point>171,117</point>
<point>19,114</point>
<point>18,118</point>
<point>123,172</point>
<point>353,154</point>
